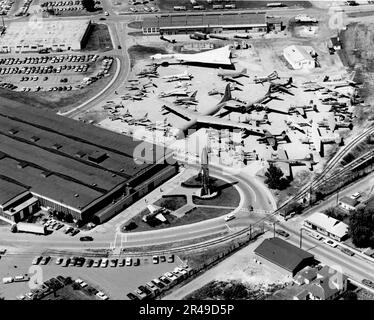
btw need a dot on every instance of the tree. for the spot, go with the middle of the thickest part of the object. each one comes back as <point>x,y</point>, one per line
<point>361,227</point>
<point>275,178</point>
<point>89,5</point>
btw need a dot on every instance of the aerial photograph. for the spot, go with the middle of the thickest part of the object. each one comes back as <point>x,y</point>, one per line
<point>186,150</point>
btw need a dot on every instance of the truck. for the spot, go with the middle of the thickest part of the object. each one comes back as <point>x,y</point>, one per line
<point>199,36</point>
<point>29,228</point>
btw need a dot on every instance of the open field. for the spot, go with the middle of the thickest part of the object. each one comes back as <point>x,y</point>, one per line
<point>99,39</point>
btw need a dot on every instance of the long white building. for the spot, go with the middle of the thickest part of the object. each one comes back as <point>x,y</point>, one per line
<point>55,34</point>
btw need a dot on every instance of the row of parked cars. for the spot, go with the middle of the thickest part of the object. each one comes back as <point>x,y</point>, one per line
<point>330,243</point>
<point>156,286</point>
<point>64,3</point>
<point>43,69</point>
<point>5,6</point>
<point>52,59</point>
<point>104,71</point>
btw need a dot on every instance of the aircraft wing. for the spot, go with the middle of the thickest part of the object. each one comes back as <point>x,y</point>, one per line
<point>231,79</point>
<point>210,120</point>
<point>185,114</point>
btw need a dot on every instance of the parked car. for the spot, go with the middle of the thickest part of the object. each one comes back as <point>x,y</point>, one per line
<point>315,235</point>
<point>171,258</point>
<point>368,283</point>
<point>136,262</point>
<point>104,263</point>
<point>347,251</point>
<point>155,259</point>
<point>74,232</point>
<point>282,233</point>
<point>89,263</point>
<point>132,296</point>
<point>331,243</point>
<point>356,195</point>
<point>162,259</point>
<point>113,263</point>
<point>122,262</point>
<point>102,295</point>
<point>128,262</point>
<point>59,260</point>
<point>86,238</point>
<point>36,260</point>
<point>97,263</point>
<point>45,260</point>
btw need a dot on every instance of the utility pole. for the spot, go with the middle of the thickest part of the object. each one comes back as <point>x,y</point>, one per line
<point>301,237</point>
<point>274,229</point>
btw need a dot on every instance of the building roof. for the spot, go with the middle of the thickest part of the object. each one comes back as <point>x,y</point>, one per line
<point>205,20</point>
<point>68,161</point>
<point>9,191</point>
<point>307,273</point>
<point>47,33</point>
<point>298,53</point>
<point>282,253</point>
<point>331,225</point>
<point>349,201</point>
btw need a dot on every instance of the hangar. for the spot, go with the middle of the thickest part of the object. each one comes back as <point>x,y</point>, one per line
<point>207,22</point>
<point>72,167</point>
<point>299,57</point>
<point>48,34</point>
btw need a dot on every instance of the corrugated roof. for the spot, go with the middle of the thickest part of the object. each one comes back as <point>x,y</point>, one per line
<point>282,253</point>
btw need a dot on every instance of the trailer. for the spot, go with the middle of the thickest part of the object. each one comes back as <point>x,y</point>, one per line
<point>29,228</point>
<point>199,36</point>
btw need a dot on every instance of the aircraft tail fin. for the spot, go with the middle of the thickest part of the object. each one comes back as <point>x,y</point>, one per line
<point>193,95</point>
<point>227,95</point>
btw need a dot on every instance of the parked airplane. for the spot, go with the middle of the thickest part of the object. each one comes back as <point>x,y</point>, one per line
<point>173,93</point>
<point>178,77</point>
<point>261,80</point>
<point>283,158</point>
<point>302,110</point>
<point>341,82</point>
<point>191,100</point>
<point>282,87</point>
<point>232,75</point>
<point>193,118</point>
<point>140,121</point>
<point>273,139</point>
<point>257,120</point>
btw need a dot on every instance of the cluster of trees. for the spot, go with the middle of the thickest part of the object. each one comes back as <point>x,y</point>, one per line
<point>89,5</point>
<point>275,178</point>
<point>361,227</point>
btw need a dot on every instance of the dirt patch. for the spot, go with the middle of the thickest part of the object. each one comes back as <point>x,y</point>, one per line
<point>99,39</point>
<point>139,52</point>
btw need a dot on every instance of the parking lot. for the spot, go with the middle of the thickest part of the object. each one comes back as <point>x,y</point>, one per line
<point>116,281</point>
<point>53,72</point>
<point>66,7</point>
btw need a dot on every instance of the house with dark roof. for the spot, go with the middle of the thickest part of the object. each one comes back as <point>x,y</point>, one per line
<point>305,276</point>
<point>348,203</point>
<point>283,256</point>
<point>329,284</point>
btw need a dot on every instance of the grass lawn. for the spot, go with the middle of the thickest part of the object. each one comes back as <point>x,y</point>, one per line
<point>172,203</point>
<point>139,52</point>
<point>68,293</point>
<point>228,195</point>
<point>99,39</point>
<point>195,215</point>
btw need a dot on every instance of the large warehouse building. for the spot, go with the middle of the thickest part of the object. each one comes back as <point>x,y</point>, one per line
<point>64,165</point>
<point>56,34</point>
<point>209,23</point>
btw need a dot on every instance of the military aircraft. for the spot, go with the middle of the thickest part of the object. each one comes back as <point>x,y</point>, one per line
<point>183,85</point>
<point>341,82</point>
<point>258,105</point>
<point>174,93</point>
<point>210,118</point>
<point>274,139</point>
<point>257,120</point>
<point>178,77</point>
<point>302,110</point>
<point>148,73</point>
<point>283,158</point>
<point>231,76</point>
<point>282,87</point>
<point>140,121</point>
<point>261,80</point>
<point>215,91</point>
<point>191,100</point>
